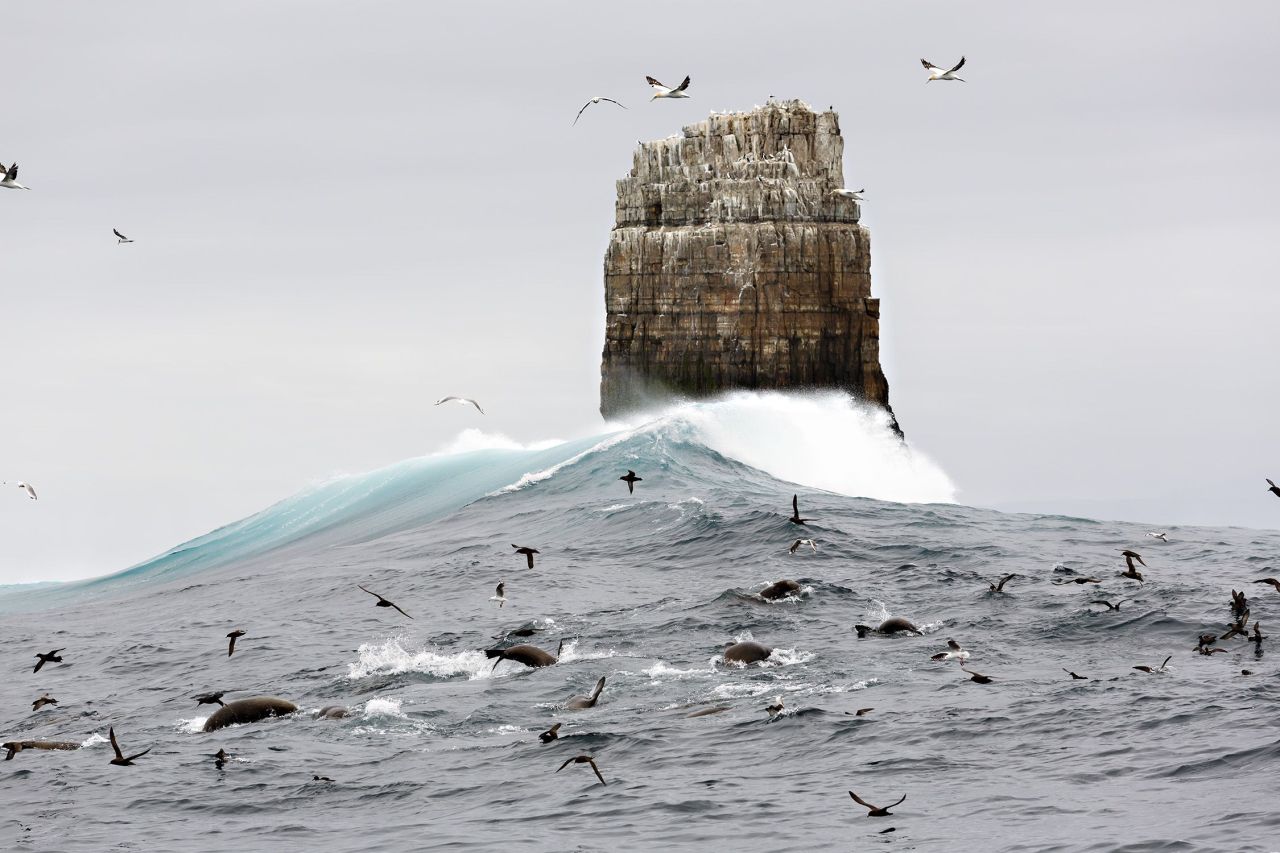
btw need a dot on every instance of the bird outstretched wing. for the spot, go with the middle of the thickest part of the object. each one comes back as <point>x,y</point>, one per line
<point>927,64</point>
<point>118,234</point>
<point>959,65</point>
<point>860,801</point>
<point>111,732</point>
<point>682,86</point>
<point>652,82</point>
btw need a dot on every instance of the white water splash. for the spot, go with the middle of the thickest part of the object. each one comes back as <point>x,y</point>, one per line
<point>391,658</point>
<point>384,708</point>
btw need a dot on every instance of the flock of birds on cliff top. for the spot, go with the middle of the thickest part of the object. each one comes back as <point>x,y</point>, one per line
<point>742,653</point>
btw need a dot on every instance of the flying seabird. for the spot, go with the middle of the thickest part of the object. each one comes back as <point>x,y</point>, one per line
<point>853,195</point>
<point>1075,677</point>
<point>42,701</point>
<point>999,587</point>
<point>1108,604</point>
<point>120,760</point>
<point>1275,583</point>
<point>795,511</point>
<point>796,545</point>
<point>631,479</point>
<point>936,73</point>
<point>10,179</point>
<point>31,493</point>
<point>594,100</point>
<point>528,553</point>
<point>500,595</point>
<point>1163,537</point>
<point>51,657</point>
<point>1159,668</point>
<point>976,676</point>
<point>956,653</point>
<point>120,237</point>
<point>550,734</point>
<point>1272,487</point>
<point>876,811</point>
<point>466,401</point>
<point>231,642</point>
<point>659,90</point>
<point>382,602</point>
<point>584,759</point>
<point>210,699</point>
<point>1078,580</point>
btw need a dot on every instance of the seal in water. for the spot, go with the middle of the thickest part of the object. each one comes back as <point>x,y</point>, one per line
<point>780,589</point>
<point>706,712</point>
<point>332,712</point>
<point>16,746</point>
<point>248,711</point>
<point>531,656</point>
<point>577,703</point>
<point>896,625</point>
<point>876,811</point>
<point>550,734</point>
<point>747,651</point>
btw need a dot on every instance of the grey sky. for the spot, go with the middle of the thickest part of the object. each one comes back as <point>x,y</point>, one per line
<point>344,211</point>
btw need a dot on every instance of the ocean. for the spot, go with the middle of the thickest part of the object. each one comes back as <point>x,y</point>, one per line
<point>441,750</point>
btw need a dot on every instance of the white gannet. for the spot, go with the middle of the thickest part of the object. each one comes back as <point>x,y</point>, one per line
<point>1158,535</point>
<point>936,73</point>
<point>25,486</point>
<point>10,180</point>
<point>463,400</point>
<point>597,99</point>
<point>120,237</point>
<point>956,653</point>
<point>661,91</point>
<point>799,543</point>
<point>855,195</point>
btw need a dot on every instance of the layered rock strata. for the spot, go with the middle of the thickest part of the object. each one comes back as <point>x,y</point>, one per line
<point>732,265</point>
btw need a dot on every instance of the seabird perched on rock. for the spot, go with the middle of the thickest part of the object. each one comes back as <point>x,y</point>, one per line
<point>876,811</point>
<point>120,238</point>
<point>466,401</point>
<point>795,511</point>
<point>382,602</point>
<point>661,91</point>
<point>597,99</point>
<point>799,543</point>
<point>584,759</point>
<point>120,760</point>
<point>631,479</point>
<point>231,640</point>
<point>527,552</point>
<point>10,179</point>
<point>1150,669</point>
<point>999,587</point>
<point>26,487</point>
<point>936,73</point>
<point>51,657</point>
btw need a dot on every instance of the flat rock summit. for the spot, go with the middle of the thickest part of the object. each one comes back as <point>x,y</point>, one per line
<point>732,266</point>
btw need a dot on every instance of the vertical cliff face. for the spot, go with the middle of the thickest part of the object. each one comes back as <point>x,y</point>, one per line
<point>732,266</point>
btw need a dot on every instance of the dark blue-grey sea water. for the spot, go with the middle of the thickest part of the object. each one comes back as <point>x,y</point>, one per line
<point>441,753</point>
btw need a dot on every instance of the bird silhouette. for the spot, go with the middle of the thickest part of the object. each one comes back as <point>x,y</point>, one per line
<point>876,811</point>
<point>631,480</point>
<point>382,602</point>
<point>231,641</point>
<point>584,759</point>
<point>120,760</point>
<point>527,552</point>
<point>51,657</point>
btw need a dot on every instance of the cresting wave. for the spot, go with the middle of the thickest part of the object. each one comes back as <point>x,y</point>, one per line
<point>822,440</point>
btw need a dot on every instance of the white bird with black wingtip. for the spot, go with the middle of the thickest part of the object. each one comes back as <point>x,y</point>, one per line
<point>597,99</point>
<point>936,73</point>
<point>120,238</point>
<point>10,179</point>
<point>26,487</point>
<point>661,91</point>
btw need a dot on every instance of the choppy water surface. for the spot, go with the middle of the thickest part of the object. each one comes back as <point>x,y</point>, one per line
<point>442,753</point>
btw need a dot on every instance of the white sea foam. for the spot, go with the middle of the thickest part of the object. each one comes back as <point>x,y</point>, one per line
<point>391,658</point>
<point>191,726</point>
<point>384,708</point>
<point>95,739</point>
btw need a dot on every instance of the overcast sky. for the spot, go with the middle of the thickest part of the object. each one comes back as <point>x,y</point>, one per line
<point>344,211</point>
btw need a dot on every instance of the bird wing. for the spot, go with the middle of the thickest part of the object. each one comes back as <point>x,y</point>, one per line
<point>904,796</point>
<point>612,101</point>
<point>39,664</point>
<point>682,86</point>
<point>231,646</point>
<point>860,801</point>
<point>139,755</point>
<point>654,83</point>
<point>580,112</point>
<point>927,64</point>
<point>30,490</point>
<point>566,764</point>
<point>477,405</point>
<point>959,65</point>
<point>114,745</point>
<point>795,545</point>
<point>397,607</point>
<point>12,174</point>
<point>795,505</point>
<point>1166,661</point>
<point>371,592</point>
<point>1271,484</point>
<point>592,761</point>
<point>1004,580</point>
<point>1138,557</point>
<point>445,400</point>
<point>118,234</point>
<point>529,556</point>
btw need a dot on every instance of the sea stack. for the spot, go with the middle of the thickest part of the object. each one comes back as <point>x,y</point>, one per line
<point>733,266</point>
